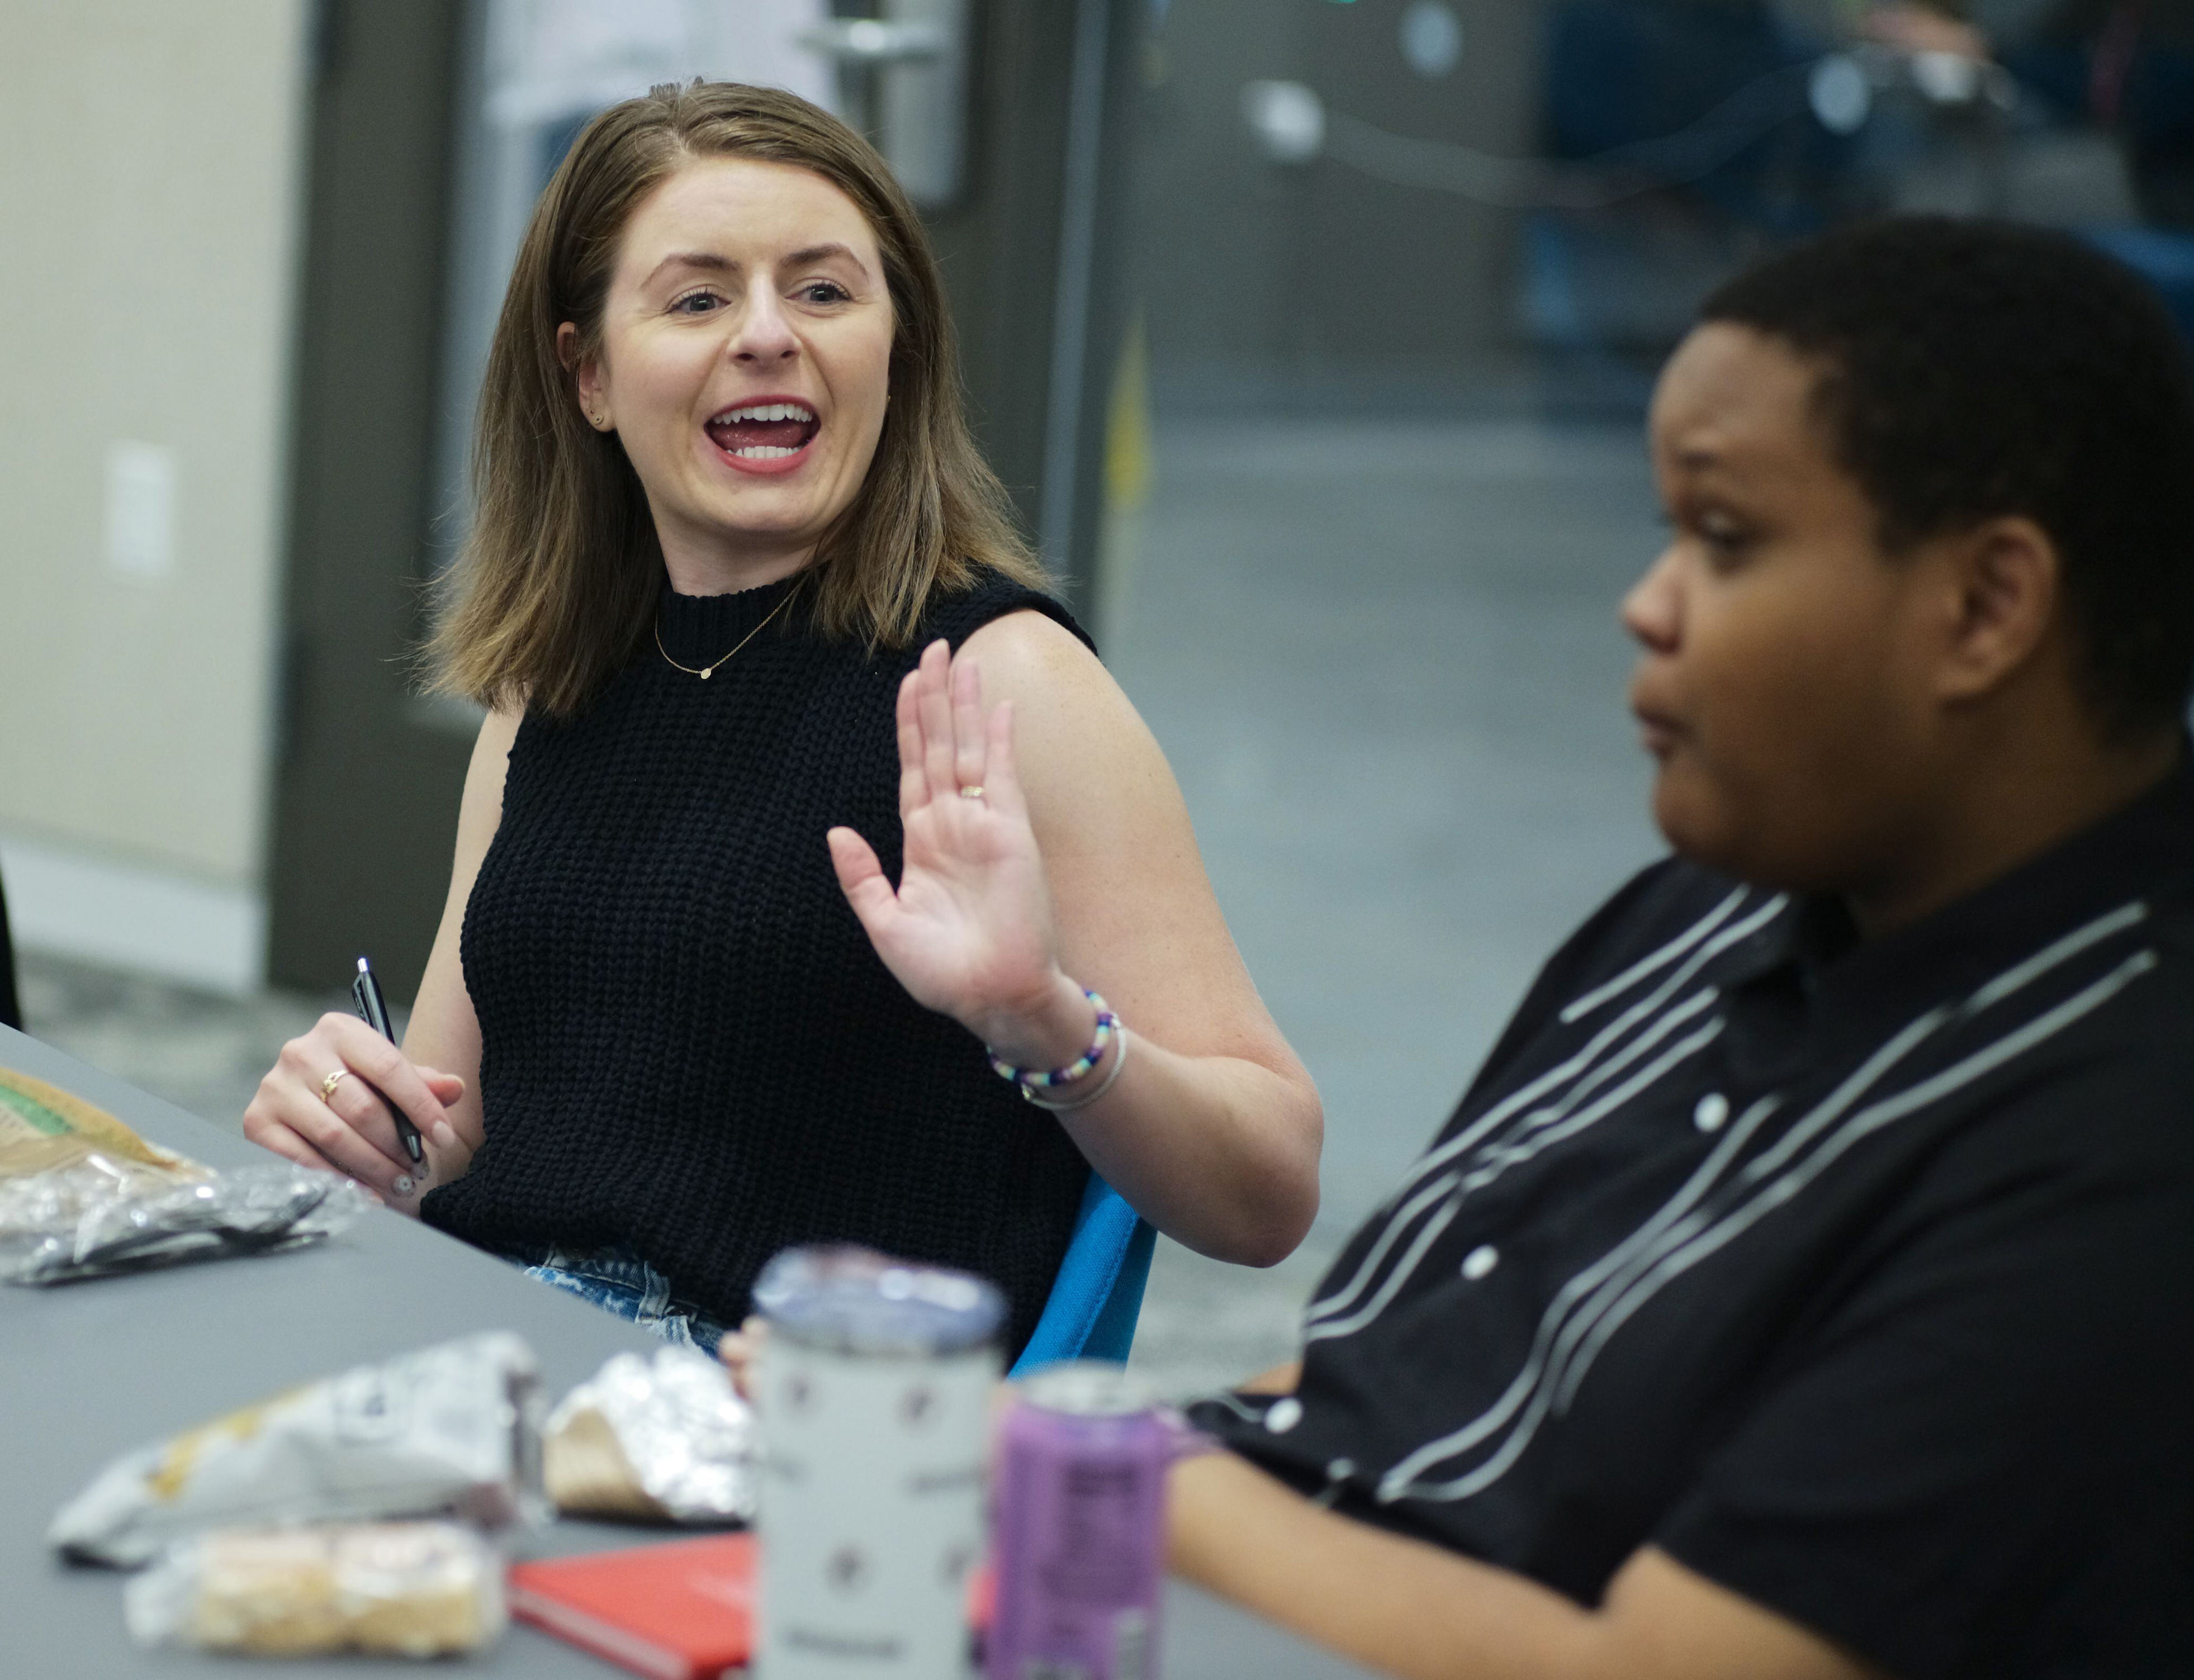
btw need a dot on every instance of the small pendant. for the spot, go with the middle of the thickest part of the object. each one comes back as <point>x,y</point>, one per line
<point>707,673</point>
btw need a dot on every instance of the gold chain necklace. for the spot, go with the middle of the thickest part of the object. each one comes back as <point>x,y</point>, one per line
<point>704,672</point>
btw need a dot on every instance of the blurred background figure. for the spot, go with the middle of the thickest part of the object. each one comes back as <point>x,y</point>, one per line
<point>1311,336</point>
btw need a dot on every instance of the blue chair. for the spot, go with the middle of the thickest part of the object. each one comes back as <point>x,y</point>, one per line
<point>1098,1294</point>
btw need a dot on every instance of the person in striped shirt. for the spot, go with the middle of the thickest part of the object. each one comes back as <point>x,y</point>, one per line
<point>1805,1288</point>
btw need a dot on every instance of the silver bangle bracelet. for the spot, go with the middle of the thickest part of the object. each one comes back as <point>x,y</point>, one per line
<point>1119,1061</point>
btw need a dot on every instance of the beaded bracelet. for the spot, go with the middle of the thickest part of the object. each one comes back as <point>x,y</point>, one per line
<point>1061,1105</point>
<point>1107,1024</point>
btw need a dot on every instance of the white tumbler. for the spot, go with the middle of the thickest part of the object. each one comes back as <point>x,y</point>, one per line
<point>872,1400</point>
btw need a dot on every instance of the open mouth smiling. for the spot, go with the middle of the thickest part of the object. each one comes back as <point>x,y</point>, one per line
<point>769,434</point>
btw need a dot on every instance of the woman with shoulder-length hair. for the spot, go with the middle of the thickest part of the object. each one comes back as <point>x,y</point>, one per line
<point>759,640</point>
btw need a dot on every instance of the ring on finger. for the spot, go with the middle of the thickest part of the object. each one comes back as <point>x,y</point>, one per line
<point>328,1085</point>
<point>971,790</point>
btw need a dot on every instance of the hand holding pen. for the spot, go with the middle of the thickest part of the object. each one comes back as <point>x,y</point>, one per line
<point>344,1097</point>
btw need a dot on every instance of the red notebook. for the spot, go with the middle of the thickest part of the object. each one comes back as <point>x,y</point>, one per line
<point>681,1610</point>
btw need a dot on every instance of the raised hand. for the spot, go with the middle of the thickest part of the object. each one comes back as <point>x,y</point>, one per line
<point>968,931</point>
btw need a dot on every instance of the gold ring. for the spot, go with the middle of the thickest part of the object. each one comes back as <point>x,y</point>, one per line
<point>971,790</point>
<point>328,1085</point>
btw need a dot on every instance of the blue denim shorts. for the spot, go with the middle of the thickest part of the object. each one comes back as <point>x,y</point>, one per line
<point>616,1280</point>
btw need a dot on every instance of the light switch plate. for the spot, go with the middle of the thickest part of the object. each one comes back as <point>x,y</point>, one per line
<point>141,509</point>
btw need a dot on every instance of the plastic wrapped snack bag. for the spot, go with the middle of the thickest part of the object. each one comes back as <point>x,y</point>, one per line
<point>98,1215</point>
<point>43,1127</point>
<point>449,1431</point>
<point>660,1440</point>
<point>389,1588</point>
<point>82,1196</point>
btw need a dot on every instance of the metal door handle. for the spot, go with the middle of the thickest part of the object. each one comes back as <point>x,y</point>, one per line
<point>903,81</point>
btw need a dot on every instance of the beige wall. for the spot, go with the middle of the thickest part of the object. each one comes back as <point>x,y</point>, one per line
<point>151,159</point>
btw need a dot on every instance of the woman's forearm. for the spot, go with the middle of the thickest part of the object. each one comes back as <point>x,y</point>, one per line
<point>1218,1152</point>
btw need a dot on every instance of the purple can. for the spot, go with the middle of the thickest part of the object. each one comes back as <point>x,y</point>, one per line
<point>1079,1540</point>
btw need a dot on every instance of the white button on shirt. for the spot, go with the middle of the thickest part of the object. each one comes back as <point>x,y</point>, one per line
<point>1712,1112</point>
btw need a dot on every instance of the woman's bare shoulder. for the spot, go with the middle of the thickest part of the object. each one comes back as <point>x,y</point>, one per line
<point>498,729</point>
<point>1028,656</point>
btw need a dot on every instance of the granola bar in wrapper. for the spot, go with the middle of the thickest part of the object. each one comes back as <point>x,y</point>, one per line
<point>449,1431</point>
<point>43,1127</point>
<point>387,1589</point>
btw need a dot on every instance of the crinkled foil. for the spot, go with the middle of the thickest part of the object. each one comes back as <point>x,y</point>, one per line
<point>99,1216</point>
<point>685,1437</point>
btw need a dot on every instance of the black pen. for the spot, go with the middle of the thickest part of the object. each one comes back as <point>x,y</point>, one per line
<point>373,1009</point>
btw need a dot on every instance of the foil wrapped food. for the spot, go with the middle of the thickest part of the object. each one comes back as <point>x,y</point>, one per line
<point>101,1214</point>
<point>449,1431</point>
<point>664,1440</point>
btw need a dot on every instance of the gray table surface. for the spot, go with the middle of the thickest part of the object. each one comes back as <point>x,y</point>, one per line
<point>87,1371</point>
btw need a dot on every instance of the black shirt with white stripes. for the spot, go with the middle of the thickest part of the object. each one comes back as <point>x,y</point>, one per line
<point>1858,1277</point>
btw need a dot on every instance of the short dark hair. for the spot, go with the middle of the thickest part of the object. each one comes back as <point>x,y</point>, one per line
<point>1978,368</point>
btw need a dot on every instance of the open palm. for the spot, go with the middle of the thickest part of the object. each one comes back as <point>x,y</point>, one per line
<point>968,931</point>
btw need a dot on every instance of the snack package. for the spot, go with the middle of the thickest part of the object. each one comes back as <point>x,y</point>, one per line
<point>99,1215</point>
<point>43,1127</point>
<point>82,1196</point>
<point>665,1440</point>
<point>390,1588</point>
<point>449,1431</point>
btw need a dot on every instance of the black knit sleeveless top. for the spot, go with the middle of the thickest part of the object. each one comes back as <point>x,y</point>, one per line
<point>687,1043</point>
